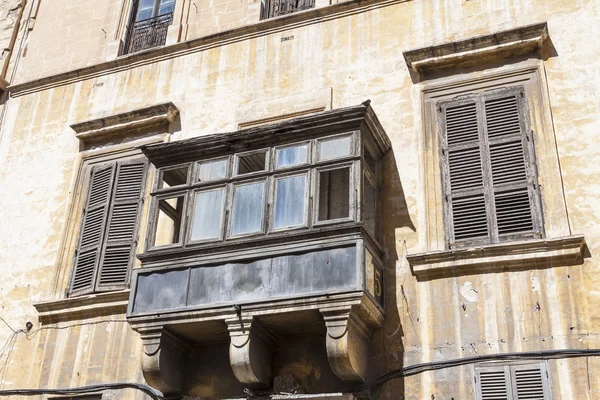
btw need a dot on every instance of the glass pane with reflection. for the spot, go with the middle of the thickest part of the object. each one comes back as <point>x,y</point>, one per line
<point>290,200</point>
<point>293,155</point>
<point>248,208</point>
<point>211,170</point>
<point>334,148</point>
<point>207,215</point>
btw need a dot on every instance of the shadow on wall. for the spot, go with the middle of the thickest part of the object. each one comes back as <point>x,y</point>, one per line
<point>388,341</point>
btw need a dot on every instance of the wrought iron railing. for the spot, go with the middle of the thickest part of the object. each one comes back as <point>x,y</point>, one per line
<point>276,8</point>
<point>149,33</point>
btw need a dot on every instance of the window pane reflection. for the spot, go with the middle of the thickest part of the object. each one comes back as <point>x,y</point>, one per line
<point>334,148</point>
<point>290,197</point>
<point>211,170</point>
<point>207,215</point>
<point>293,155</point>
<point>248,208</point>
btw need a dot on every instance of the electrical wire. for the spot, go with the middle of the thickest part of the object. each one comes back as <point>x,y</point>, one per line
<point>85,389</point>
<point>432,366</point>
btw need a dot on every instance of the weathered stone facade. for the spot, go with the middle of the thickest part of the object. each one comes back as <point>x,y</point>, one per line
<point>225,69</point>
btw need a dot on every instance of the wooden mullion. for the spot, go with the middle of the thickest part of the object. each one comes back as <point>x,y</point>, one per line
<point>486,165</point>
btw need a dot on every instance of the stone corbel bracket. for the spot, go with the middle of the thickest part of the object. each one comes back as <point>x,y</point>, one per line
<point>512,42</point>
<point>250,351</point>
<point>349,329</point>
<point>156,118</point>
<point>164,360</point>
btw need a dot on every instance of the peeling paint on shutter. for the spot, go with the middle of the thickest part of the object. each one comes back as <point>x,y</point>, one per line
<point>122,226</point>
<point>92,231</point>
<point>488,168</point>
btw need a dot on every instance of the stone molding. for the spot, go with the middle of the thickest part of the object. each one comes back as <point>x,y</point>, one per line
<point>134,122</point>
<point>535,253</point>
<point>90,306</point>
<point>259,29</point>
<point>514,41</point>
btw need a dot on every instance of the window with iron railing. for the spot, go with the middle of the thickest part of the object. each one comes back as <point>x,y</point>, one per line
<point>149,24</point>
<point>276,8</point>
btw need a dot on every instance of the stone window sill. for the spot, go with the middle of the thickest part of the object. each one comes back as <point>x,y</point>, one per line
<point>89,306</point>
<point>520,255</point>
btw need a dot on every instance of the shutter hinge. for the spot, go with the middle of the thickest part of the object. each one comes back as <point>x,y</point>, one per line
<point>446,197</point>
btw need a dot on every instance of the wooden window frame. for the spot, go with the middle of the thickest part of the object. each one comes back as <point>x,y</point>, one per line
<point>231,198</point>
<point>309,151</point>
<point>228,170</point>
<point>529,74</point>
<point>236,162</point>
<point>154,213</point>
<point>489,188</point>
<point>353,193</point>
<point>192,206</point>
<point>110,206</point>
<point>509,372</point>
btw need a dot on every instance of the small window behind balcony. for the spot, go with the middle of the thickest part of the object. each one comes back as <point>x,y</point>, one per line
<point>276,8</point>
<point>334,194</point>
<point>290,201</point>
<point>149,25</point>
<point>168,222</point>
<point>248,208</point>
<point>208,214</point>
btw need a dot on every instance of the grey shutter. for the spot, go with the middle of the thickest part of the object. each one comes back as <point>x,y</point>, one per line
<point>530,382</point>
<point>122,225</point>
<point>511,156</point>
<point>488,166</point>
<point>463,172</point>
<point>493,383</point>
<point>92,231</point>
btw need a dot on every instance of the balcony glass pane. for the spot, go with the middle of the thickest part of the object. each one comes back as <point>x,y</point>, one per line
<point>207,215</point>
<point>334,148</point>
<point>290,201</point>
<point>334,194</point>
<point>248,208</point>
<point>293,155</point>
<point>211,170</point>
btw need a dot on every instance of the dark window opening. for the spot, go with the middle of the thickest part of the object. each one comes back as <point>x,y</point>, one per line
<point>334,194</point>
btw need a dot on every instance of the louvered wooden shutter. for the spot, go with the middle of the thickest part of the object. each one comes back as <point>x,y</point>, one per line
<point>513,382</point>
<point>92,232</point>
<point>493,383</point>
<point>488,166</point>
<point>121,237</point>
<point>530,382</point>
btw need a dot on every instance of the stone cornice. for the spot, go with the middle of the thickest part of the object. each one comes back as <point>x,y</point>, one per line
<point>129,123</point>
<point>314,125</point>
<point>82,307</point>
<point>151,56</point>
<point>509,42</point>
<point>528,254</point>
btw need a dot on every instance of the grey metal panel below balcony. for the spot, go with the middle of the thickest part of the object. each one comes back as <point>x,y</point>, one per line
<point>333,270</point>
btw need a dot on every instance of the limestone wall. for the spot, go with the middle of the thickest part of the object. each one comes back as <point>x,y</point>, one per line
<point>355,56</point>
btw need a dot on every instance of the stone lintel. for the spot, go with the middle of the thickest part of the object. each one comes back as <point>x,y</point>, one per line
<point>509,42</point>
<point>80,307</point>
<point>131,123</point>
<point>535,253</point>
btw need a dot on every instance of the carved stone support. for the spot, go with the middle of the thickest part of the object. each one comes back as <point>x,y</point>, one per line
<point>250,351</point>
<point>347,343</point>
<point>164,360</point>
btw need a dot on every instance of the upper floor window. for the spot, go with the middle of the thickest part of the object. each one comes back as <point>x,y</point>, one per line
<point>276,8</point>
<point>149,25</point>
<point>290,187</point>
<point>108,233</point>
<point>489,176</point>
